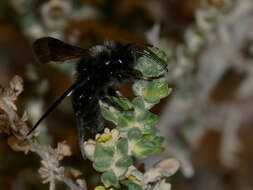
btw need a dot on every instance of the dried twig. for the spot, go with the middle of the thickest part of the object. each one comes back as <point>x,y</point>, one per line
<point>16,127</point>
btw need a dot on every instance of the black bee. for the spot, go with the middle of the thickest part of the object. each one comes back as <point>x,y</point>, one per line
<point>99,71</point>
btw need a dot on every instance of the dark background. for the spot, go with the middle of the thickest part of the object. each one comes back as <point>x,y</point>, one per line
<point>212,136</point>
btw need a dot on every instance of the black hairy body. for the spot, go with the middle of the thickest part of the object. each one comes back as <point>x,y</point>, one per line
<point>103,67</point>
<point>99,71</point>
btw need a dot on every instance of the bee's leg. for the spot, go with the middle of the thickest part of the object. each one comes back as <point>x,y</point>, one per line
<point>81,138</point>
<point>109,102</point>
<point>112,92</point>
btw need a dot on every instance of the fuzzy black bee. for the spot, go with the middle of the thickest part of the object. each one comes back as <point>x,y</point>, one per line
<point>99,71</point>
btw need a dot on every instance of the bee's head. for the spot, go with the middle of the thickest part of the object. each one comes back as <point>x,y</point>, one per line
<point>122,58</point>
<point>118,59</point>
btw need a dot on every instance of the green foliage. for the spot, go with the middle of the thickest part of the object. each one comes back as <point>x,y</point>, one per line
<point>135,134</point>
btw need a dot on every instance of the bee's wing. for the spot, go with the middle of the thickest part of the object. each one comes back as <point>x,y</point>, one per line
<point>49,49</point>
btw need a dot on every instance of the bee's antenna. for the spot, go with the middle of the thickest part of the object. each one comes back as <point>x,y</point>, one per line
<point>68,92</point>
<point>153,58</point>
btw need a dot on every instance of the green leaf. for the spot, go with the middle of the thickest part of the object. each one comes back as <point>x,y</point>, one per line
<point>122,101</point>
<point>147,117</point>
<point>122,146</point>
<point>110,115</point>
<point>148,122</point>
<point>151,91</point>
<point>138,103</point>
<point>131,186</point>
<point>143,149</point>
<point>156,90</point>
<point>134,134</point>
<point>124,162</point>
<point>159,53</point>
<point>120,171</point>
<point>149,67</point>
<point>103,158</point>
<point>125,120</point>
<point>149,129</point>
<point>157,141</point>
<point>109,179</point>
<point>154,139</point>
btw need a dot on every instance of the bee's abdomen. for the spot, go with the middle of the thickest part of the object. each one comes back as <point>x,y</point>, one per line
<point>88,113</point>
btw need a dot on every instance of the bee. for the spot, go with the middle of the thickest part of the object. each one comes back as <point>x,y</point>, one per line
<point>99,71</point>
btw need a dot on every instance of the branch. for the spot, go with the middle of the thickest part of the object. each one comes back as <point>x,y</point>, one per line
<point>17,128</point>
